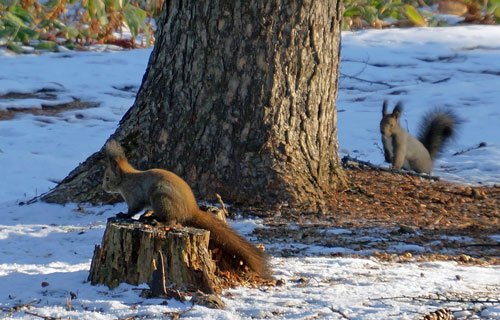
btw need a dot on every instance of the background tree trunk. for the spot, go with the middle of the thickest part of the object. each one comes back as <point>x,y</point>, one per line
<point>239,99</point>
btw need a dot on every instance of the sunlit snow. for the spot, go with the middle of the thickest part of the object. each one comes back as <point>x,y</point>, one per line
<point>457,67</point>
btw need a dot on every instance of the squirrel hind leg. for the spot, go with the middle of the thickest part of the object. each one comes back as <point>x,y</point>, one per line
<point>167,210</point>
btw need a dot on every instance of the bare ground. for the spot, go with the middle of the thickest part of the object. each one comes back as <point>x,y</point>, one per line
<point>397,217</point>
<point>46,109</point>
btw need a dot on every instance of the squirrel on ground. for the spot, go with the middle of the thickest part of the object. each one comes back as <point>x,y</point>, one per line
<point>402,150</point>
<point>173,202</point>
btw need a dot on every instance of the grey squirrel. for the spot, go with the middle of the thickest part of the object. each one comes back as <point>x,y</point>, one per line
<point>402,150</point>
<point>173,202</point>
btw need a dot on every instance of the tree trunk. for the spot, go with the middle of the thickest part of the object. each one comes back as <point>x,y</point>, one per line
<point>239,99</point>
<point>136,253</point>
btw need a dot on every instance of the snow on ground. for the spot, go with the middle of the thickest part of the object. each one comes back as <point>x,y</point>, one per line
<point>434,67</point>
<point>41,149</point>
<point>457,67</point>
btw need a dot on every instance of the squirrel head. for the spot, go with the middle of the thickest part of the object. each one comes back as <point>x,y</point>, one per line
<point>390,121</point>
<point>113,175</point>
<point>111,182</point>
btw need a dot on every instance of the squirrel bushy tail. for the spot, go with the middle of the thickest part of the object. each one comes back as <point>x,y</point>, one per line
<point>436,128</point>
<point>403,150</point>
<point>232,243</point>
<point>173,202</point>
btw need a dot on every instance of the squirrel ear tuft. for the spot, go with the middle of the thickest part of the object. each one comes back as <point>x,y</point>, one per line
<point>398,109</point>
<point>114,154</point>
<point>114,150</point>
<point>384,107</point>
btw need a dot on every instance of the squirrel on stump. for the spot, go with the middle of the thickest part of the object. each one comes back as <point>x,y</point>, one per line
<point>403,150</point>
<point>173,202</point>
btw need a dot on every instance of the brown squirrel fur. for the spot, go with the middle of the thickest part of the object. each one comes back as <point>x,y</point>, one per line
<point>173,202</point>
<point>403,150</point>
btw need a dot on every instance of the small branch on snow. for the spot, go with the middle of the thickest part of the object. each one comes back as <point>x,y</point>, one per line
<point>353,163</point>
<point>355,76</point>
<point>222,205</point>
<point>20,306</point>
<point>174,315</point>
<point>367,81</point>
<point>441,80</point>
<point>422,79</point>
<point>480,145</point>
<point>339,312</point>
<point>42,316</point>
<point>360,71</point>
<point>34,199</point>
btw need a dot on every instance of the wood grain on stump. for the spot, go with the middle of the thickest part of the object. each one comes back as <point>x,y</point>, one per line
<point>135,253</point>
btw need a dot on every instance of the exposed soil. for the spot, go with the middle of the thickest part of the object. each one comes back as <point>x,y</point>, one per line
<point>389,215</point>
<point>398,217</point>
<point>48,109</point>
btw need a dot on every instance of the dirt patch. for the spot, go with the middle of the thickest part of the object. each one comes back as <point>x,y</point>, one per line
<point>46,109</point>
<point>44,94</point>
<point>397,217</point>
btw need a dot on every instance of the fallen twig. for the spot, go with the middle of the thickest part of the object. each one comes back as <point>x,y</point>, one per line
<point>19,307</point>
<point>367,81</point>
<point>339,312</point>
<point>480,145</point>
<point>352,163</point>
<point>441,80</point>
<point>222,205</point>
<point>174,315</point>
<point>42,316</point>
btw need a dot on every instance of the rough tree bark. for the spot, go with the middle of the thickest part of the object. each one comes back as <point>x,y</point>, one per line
<point>239,99</point>
<point>138,253</point>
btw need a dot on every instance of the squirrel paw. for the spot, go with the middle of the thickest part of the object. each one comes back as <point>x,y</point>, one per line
<point>149,220</point>
<point>173,227</point>
<point>123,215</point>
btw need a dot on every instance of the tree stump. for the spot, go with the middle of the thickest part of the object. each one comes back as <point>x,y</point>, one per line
<point>165,258</point>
